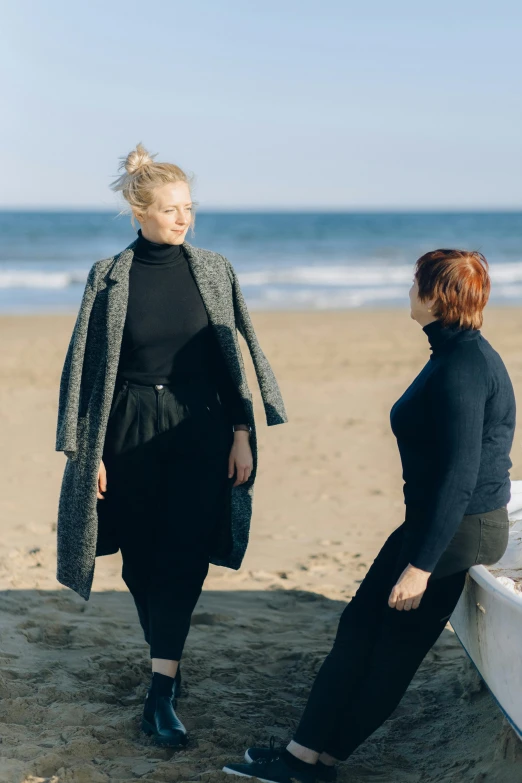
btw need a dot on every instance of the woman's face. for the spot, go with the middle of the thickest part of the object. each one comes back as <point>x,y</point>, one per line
<point>420,311</point>
<point>168,218</point>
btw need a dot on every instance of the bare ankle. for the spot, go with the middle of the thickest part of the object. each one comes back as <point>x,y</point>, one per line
<point>302,753</point>
<point>164,666</point>
<point>328,760</point>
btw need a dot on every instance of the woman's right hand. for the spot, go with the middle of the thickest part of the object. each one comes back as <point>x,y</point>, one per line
<point>102,481</point>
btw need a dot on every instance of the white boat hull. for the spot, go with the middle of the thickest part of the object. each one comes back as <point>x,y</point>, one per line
<point>488,623</point>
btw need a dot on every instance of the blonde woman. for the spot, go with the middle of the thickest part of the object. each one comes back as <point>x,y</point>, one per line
<point>155,418</point>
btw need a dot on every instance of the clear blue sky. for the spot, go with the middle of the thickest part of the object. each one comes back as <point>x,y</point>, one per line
<point>293,104</point>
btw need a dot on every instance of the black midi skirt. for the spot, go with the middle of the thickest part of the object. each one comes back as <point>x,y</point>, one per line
<point>166,456</point>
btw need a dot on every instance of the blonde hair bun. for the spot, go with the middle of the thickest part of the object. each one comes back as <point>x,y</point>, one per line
<point>137,159</point>
<point>140,177</point>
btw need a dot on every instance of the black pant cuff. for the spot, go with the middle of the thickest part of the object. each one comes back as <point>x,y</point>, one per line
<point>166,655</point>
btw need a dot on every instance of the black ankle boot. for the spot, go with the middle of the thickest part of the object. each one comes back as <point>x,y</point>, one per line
<point>159,719</point>
<point>176,691</point>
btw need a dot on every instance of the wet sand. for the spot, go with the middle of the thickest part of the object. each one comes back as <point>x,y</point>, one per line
<point>73,674</point>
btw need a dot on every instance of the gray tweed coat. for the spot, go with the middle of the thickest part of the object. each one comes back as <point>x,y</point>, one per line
<point>86,391</point>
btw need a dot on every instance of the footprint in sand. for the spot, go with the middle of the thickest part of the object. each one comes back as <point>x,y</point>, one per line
<point>50,634</point>
<point>65,604</point>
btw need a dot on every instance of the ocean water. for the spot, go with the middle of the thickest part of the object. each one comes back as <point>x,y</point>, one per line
<point>284,260</point>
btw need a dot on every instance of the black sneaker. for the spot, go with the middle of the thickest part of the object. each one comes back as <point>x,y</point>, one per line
<point>272,770</point>
<point>258,753</point>
<point>323,772</point>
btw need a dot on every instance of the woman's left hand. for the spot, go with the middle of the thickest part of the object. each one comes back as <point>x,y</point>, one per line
<point>240,458</point>
<point>409,589</point>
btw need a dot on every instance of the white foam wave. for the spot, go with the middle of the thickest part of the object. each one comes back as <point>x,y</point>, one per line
<point>328,276</point>
<point>352,278</point>
<point>20,278</point>
<point>359,275</point>
<point>325,299</point>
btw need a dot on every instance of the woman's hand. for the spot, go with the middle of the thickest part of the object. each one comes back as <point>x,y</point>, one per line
<point>240,458</point>
<point>102,481</point>
<point>409,589</point>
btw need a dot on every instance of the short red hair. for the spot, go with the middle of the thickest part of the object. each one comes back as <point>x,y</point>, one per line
<point>458,282</point>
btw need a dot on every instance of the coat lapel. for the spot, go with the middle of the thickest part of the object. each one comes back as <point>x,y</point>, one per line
<point>208,283</point>
<point>117,300</point>
<point>122,264</point>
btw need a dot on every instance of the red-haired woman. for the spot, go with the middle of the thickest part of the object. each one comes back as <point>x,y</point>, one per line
<point>454,427</point>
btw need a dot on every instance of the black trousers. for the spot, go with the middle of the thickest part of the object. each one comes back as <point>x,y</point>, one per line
<point>377,649</point>
<point>166,455</point>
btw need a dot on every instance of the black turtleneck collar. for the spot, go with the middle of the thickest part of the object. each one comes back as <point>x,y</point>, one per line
<point>442,337</point>
<point>155,253</point>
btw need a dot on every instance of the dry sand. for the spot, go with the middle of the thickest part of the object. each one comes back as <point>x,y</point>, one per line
<point>73,675</point>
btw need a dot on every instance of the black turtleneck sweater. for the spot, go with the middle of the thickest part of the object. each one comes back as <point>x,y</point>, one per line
<point>167,337</point>
<point>454,427</point>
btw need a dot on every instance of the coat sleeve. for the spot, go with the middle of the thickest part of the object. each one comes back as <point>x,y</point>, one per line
<point>70,381</point>
<point>270,393</point>
<point>228,392</point>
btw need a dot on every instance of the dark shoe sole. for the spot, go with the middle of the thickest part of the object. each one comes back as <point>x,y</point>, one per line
<point>162,742</point>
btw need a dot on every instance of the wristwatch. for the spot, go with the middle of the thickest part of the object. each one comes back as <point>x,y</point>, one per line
<point>242,427</point>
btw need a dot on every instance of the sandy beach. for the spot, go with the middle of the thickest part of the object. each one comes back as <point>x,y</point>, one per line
<point>73,675</point>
